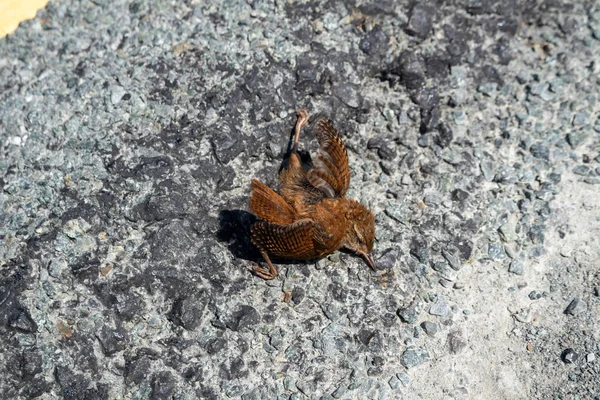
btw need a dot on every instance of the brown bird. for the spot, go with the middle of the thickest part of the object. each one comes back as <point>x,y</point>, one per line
<point>310,218</point>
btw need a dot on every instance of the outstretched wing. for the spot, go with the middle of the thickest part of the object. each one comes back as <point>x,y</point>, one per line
<point>268,205</point>
<point>333,170</point>
<point>292,241</point>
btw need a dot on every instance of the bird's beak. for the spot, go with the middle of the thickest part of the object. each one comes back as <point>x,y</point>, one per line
<point>369,259</point>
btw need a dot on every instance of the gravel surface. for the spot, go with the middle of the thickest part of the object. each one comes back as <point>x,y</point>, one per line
<point>129,132</point>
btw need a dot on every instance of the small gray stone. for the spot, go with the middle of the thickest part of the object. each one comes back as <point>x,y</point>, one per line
<point>413,357</point>
<point>444,270</point>
<point>523,77</point>
<point>496,251</point>
<point>430,328</point>
<point>582,170</point>
<point>419,249</point>
<point>394,382</point>
<point>575,138</point>
<point>421,20</point>
<point>348,94</point>
<point>487,168</point>
<point>592,181</point>
<point>537,88</point>
<point>445,283</point>
<point>404,378</point>
<point>117,93</point>
<point>340,391</point>
<point>56,267</point>
<point>409,314</point>
<point>456,342</point>
<point>535,295</point>
<point>523,316</point>
<point>573,307</point>
<point>488,89</point>
<point>540,150</point>
<point>440,308</point>
<point>569,356</point>
<point>516,267</point>
<point>507,232</point>
<point>590,357</point>
<point>452,259</point>
<point>581,118</point>
<point>112,340</point>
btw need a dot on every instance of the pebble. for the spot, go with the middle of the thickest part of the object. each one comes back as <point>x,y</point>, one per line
<point>582,170</point>
<point>488,89</point>
<point>394,382</point>
<point>404,378</point>
<point>575,138</point>
<point>581,118</point>
<point>573,307</point>
<point>452,259</point>
<point>409,314</point>
<point>496,251</point>
<point>406,180</point>
<point>430,328</point>
<point>535,295</point>
<point>569,356</point>
<point>590,357</point>
<point>444,270</point>
<point>413,357</point>
<point>507,232</point>
<point>456,342</point>
<point>440,308</point>
<point>523,316</point>
<point>487,168</point>
<point>445,283</point>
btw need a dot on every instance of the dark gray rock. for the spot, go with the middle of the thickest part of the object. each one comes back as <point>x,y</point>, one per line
<point>112,340</point>
<point>430,328</point>
<point>72,385</point>
<point>187,312</point>
<point>569,356</point>
<point>348,94</point>
<point>374,42</point>
<point>419,249</point>
<point>163,385</point>
<point>21,321</point>
<point>244,317</point>
<point>385,148</point>
<point>420,20</point>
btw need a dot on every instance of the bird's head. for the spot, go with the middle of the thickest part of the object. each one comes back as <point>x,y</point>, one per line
<point>360,230</point>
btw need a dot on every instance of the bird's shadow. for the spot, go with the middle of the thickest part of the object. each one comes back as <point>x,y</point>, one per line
<point>234,228</point>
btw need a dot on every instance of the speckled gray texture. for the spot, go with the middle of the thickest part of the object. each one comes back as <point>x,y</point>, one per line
<point>129,132</point>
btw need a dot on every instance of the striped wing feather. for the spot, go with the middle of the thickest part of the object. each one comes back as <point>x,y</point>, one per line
<point>333,156</point>
<point>292,241</point>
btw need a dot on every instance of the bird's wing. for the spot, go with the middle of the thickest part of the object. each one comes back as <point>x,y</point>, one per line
<point>294,241</point>
<point>268,205</point>
<point>333,159</point>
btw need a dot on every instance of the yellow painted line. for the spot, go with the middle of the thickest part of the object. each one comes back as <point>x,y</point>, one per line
<point>12,12</point>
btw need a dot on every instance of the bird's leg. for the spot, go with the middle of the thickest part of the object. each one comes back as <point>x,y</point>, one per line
<point>300,122</point>
<point>269,274</point>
